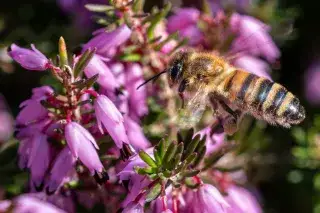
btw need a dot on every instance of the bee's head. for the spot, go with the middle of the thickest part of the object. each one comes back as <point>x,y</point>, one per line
<point>175,69</point>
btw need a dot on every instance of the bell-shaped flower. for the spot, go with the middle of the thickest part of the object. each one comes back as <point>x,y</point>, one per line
<point>208,199</point>
<point>39,159</point>
<point>106,78</point>
<point>32,110</point>
<point>29,59</point>
<point>63,163</point>
<point>185,22</point>
<point>135,134</point>
<point>109,117</point>
<point>133,207</point>
<point>137,98</point>
<point>28,203</point>
<point>241,201</point>
<point>254,65</point>
<point>83,146</point>
<point>24,152</point>
<point>105,42</point>
<point>253,37</point>
<point>312,86</point>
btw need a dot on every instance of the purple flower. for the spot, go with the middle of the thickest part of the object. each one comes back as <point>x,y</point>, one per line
<point>213,140</point>
<point>24,152</point>
<point>32,110</point>
<point>208,199</point>
<point>39,158</point>
<point>312,86</point>
<point>253,37</point>
<point>135,134</point>
<point>137,98</point>
<point>241,201</point>
<point>63,163</point>
<point>106,78</point>
<point>6,120</point>
<point>27,203</point>
<point>106,42</point>
<point>83,145</point>
<point>5,205</point>
<point>108,116</point>
<point>253,65</point>
<point>133,208</point>
<point>185,21</point>
<point>29,59</point>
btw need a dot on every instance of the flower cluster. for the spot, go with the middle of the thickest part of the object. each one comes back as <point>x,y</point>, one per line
<point>92,129</point>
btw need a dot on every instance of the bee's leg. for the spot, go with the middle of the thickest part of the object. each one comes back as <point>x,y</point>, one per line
<point>181,89</point>
<point>230,122</point>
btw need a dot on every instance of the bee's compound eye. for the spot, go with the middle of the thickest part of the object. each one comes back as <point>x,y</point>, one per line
<point>175,72</point>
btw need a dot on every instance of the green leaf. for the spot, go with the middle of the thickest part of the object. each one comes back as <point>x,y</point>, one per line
<point>98,8</point>
<point>146,158</point>
<point>191,158</point>
<point>169,154</point>
<point>132,57</point>
<point>190,173</point>
<point>192,146</point>
<point>157,18</point>
<point>200,157</point>
<point>157,155</point>
<point>83,62</point>
<point>162,148</point>
<point>143,171</point>
<point>138,6</point>
<point>63,52</point>
<point>206,9</point>
<point>153,193</point>
<point>88,83</point>
<point>177,160</point>
<point>299,134</point>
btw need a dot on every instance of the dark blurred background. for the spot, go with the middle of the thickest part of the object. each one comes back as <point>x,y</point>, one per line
<point>42,22</point>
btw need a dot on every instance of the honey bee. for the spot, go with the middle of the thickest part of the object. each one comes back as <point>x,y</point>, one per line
<point>230,91</point>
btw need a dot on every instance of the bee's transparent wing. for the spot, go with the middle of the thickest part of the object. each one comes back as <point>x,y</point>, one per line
<point>192,112</point>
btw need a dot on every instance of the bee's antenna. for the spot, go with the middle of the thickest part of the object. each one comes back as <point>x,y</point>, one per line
<point>155,77</point>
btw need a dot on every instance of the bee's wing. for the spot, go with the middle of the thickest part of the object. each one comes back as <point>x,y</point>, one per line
<point>195,106</point>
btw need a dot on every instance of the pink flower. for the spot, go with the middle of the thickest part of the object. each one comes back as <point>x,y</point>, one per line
<point>27,203</point>
<point>24,152</point>
<point>63,163</point>
<point>108,116</point>
<point>32,110</point>
<point>253,65</point>
<point>29,59</point>
<point>39,158</point>
<point>5,205</point>
<point>253,37</point>
<point>207,199</point>
<point>241,201</point>
<point>106,78</point>
<point>135,135</point>
<point>137,98</point>
<point>106,42</point>
<point>83,145</point>
<point>133,208</point>
<point>312,86</point>
<point>185,22</point>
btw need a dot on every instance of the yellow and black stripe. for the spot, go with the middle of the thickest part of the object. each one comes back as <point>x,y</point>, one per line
<point>263,98</point>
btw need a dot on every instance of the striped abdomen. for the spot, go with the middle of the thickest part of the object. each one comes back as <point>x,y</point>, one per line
<point>263,98</point>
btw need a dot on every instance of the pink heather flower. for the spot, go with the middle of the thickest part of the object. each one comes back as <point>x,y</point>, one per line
<point>108,116</point>
<point>253,37</point>
<point>27,203</point>
<point>24,152</point>
<point>253,65</point>
<point>4,205</point>
<point>161,30</point>
<point>32,110</point>
<point>241,201</point>
<point>83,145</point>
<point>106,42</point>
<point>207,199</point>
<point>135,135</point>
<point>106,78</point>
<point>63,163</point>
<point>34,128</point>
<point>185,22</point>
<point>133,208</point>
<point>312,86</point>
<point>137,98</point>
<point>29,59</point>
<point>213,140</point>
<point>39,158</point>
